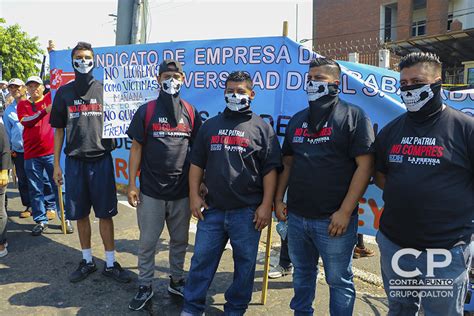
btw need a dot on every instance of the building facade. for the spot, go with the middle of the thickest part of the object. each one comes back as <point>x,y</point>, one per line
<point>444,27</point>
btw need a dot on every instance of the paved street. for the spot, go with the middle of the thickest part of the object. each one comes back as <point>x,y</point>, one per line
<point>34,275</point>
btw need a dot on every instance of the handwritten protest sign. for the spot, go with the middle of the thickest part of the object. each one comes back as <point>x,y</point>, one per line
<point>125,89</point>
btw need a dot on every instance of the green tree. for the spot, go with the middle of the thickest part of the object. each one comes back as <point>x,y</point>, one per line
<point>20,54</point>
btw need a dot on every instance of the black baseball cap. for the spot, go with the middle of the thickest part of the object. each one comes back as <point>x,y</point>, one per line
<point>170,65</point>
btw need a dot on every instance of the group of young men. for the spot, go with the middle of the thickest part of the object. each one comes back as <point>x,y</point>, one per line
<point>236,174</point>
<point>230,173</point>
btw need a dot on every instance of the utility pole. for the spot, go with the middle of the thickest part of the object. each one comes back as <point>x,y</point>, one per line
<point>132,20</point>
<point>140,10</point>
<point>124,22</point>
<point>144,28</point>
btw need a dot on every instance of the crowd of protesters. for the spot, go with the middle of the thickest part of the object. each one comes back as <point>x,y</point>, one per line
<point>231,174</point>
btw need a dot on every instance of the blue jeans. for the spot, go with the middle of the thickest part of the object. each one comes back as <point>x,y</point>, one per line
<point>211,237</point>
<point>49,195</point>
<point>49,198</point>
<point>35,169</point>
<point>19,162</point>
<point>308,239</point>
<point>407,301</point>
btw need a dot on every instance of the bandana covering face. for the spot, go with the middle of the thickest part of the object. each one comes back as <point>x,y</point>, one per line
<point>416,96</point>
<point>83,72</point>
<point>322,96</point>
<point>236,101</point>
<point>83,66</point>
<point>422,101</point>
<point>171,86</point>
<point>316,89</point>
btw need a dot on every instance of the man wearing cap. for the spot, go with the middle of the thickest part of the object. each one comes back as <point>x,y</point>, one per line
<point>162,131</point>
<point>38,143</point>
<point>90,180</point>
<point>14,130</point>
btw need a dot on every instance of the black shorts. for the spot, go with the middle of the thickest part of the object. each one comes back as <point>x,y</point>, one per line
<point>90,183</point>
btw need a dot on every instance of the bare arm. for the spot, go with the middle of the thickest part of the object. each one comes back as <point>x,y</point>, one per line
<point>263,214</point>
<point>58,145</point>
<point>283,178</point>
<point>196,202</point>
<point>133,166</point>
<point>360,180</point>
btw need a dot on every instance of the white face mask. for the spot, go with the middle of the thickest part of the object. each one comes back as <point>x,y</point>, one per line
<point>415,99</point>
<point>316,89</point>
<point>236,101</point>
<point>171,85</point>
<point>83,66</point>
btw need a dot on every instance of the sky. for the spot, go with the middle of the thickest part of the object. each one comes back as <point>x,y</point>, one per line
<point>69,21</point>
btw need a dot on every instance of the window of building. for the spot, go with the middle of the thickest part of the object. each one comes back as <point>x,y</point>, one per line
<point>418,28</point>
<point>388,24</point>
<point>450,20</point>
<point>419,4</point>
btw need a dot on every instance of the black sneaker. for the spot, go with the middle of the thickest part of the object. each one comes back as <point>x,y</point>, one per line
<point>117,273</point>
<point>144,294</point>
<point>176,288</point>
<point>39,229</point>
<point>82,271</point>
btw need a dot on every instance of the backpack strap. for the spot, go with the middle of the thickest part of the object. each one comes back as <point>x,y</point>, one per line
<point>189,108</point>
<point>150,109</point>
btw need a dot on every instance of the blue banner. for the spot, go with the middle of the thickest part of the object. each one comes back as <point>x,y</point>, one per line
<point>278,67</point>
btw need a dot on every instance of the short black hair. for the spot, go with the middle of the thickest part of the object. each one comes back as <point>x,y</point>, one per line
<point>322,61</point>
<point>421,57</point>
<point>82,46</point>
<point>240,76</point>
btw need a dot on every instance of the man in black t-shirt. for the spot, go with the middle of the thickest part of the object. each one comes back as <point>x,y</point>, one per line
<point>239,152</point>
<point>328,161</point>
<point>162,132</point>
<point>89,173</point>
<point>425,167</point>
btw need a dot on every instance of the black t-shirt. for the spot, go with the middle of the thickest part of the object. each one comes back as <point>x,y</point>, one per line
<point>324,162</point>
<point>429,186</point>
<point>236,152</point>
<point>83,119</point>
<point>165,152</point>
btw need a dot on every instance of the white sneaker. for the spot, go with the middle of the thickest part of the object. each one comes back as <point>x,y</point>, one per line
<point>279,271</point>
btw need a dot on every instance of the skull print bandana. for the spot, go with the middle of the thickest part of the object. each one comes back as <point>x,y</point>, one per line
<point>83,66</point>
<point>236,101</point>
<point>83,75</point>
<point>171,86</point>
<point>318,89</point>
<point>416,96</point>
<point>322,96</point>
<point>422,100</point>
